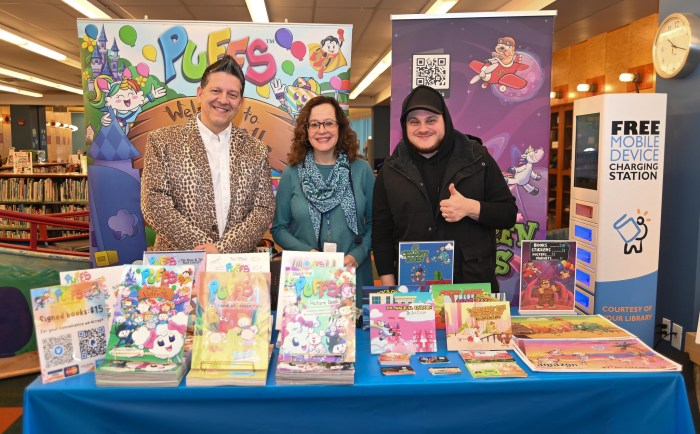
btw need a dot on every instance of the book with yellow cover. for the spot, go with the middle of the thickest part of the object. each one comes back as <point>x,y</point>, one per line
<point>232,330</point>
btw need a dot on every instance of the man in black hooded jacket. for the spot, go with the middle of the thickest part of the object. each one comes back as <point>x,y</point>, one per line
<point>440,184</point>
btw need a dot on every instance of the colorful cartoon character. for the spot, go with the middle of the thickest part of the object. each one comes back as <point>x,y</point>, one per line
<point>521,175</point>
<point>124,335</point>
<point>385,330</point>
<point>500,70</point>
<point>167,341</point>
<point>442,256</point>
<point>124,98</point>
<point>530,270</point>
<point>545,294</point>
<point>327,56</point>
<point>294,97</point>
<point>42,300</point>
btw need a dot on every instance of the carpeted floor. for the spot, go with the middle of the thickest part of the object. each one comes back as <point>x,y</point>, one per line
<point>11,391</point>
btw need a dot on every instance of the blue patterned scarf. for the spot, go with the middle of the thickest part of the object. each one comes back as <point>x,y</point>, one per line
<point>325,194</point>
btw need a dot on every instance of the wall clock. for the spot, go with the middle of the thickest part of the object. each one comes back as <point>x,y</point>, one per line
<point>676,50</point>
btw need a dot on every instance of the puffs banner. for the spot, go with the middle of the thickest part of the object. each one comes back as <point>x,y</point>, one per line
<point>139,76</point>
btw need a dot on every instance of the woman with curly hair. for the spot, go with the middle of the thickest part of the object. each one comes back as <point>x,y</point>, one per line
<point>324,199</point>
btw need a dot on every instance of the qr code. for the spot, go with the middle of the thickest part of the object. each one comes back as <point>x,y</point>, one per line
<point>58,350</point>
<point>431,70</point>
<point>92,343</point>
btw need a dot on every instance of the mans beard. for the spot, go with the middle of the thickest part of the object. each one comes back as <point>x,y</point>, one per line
<point>430,150</point>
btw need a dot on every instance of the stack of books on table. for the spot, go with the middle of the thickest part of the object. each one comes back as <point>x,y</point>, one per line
<point>146,343</point>
<point>134,373</point>
<point>317,335</point>
<point>232,330</point>
<point>320,369</point>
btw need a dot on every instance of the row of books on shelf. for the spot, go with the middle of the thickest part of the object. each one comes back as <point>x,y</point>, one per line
<point>147,323</point>
<point>43,190</point>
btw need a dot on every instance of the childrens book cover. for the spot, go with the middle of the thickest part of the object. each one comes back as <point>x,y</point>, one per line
<point>107,278</point>
<point>478,325</point>
<point>593,355</point>
<point>232,328</point>
<point>495,370</point>
<point>22,162</point>
<point>320,321</point>
<point>71,328</point>
<point>239,262</point>
<point>567,327</point>
<point>379,292</point>
<point>454,292</point>
<point>403,324</point>
<point>424,261</point>
<point>196,259</point>
<point>288,287</point>
<point>547,271</point>
<point>150,318</point>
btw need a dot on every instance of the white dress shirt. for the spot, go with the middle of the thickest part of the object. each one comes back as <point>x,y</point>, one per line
<point>217,146</point>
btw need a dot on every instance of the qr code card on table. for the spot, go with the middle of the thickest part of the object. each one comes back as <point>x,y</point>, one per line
<point>71,328</point>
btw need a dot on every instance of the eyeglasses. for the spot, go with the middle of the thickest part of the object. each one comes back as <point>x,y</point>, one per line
<point>505,42</point>
<point>329,125</point>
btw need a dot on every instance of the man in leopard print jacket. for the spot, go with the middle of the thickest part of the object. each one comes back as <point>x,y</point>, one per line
<point>206,184</point>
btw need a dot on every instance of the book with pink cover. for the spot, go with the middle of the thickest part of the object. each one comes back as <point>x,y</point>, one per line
<point>403,327</point>
<point>592,355</point>
<point>478,326</point>
<point>566,327</point>
<point>547,275</point>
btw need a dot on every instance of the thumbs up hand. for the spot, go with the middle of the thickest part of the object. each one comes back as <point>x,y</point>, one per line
<point>456,207</point>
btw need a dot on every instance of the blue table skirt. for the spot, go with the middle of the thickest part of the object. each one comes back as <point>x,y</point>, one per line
<point>561,403</point>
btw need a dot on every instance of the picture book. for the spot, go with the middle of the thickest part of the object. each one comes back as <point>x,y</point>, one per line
<point>394,359</point>
<point>239,262</point>
<point>495,370</point>
<point>367,291</point>
<point>70,322</point>
<point>567,327</point>
<point>107,278</point>
<point>150,318</point>
<point>320,319</point>
<point>232,327</point>
<point>452,293</point>
<point>424,261</point>
<point>406,324</point>
<point>196,259</point>
<point>22,162</point>
<point>486,356</point>
<point>478,325</point>
<point>593,355</point>
<point>547,276</point>
<point>288,292</point>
